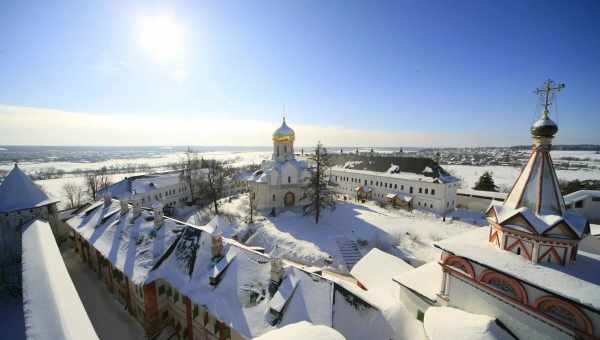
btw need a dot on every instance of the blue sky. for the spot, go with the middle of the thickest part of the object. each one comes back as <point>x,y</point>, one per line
<point>463,70</point>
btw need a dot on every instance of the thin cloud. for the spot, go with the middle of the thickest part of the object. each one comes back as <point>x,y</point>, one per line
<point>42,126</point>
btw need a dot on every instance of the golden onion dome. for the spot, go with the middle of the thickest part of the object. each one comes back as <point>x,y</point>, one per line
<point>284,133</point>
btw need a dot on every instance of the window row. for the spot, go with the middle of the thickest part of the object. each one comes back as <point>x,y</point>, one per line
<point>425,191</point>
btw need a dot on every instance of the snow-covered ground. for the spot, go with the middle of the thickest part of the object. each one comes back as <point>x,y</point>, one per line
<point>294,236</point>
<point>108,317</point>
<point>236,158</point>
<point>505,176</point>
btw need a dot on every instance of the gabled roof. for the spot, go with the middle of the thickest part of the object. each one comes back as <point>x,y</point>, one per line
<point>19,192</point>
<point>540,223</point>
<point>132,245</point>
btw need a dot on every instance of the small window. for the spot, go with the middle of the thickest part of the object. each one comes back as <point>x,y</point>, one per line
<point>273,197</point>
<point>402,187</point>
<point>426,190</point>
<point>371,182</point>
<point>289,179</point>
<point>579,204</point>
<point>420,315</point>
<point>396,186</point>
<point>420,190</point>
<point>433,191</point>
<point>518,250</point>
<point>411,190</point>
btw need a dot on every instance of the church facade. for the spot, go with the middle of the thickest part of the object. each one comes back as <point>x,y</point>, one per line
<point>281,180</point>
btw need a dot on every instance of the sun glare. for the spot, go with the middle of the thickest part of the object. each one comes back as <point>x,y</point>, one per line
<point>161,36</point>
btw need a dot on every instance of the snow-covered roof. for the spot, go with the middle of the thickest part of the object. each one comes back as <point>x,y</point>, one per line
<point>375,271</point>
<point>51,305</point>
<point>541,223</point>
<point>239,296</point>
<point>500,196</point>
<point>302,331</point>
<point>443,323</point>
<point>141,184</point>
<point>401,175</point>
<point>577,282</point>
<point>268,167</point>
<point>581,194</point>
<point>424,280</point>
<point>18,192</point>
<point>131,245</point>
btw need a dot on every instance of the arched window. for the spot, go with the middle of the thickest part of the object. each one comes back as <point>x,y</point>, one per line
<point>460,264</point>
<point>505,285</point>
<point>564,312</point>
<point>273,197</point>
<point>289,179</point>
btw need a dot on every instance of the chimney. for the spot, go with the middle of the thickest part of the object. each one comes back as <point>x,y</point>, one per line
<point>124,205</point>
<point>276,269</point>
<point>216,245</point>
<point>157,208</point>
<point>107,200</point>
<point>276,275</point>
<point>137,209</point>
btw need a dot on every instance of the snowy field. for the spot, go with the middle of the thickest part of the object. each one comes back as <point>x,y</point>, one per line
<point>235,158</point>
<point>505,176</point>
<point>294,236</point>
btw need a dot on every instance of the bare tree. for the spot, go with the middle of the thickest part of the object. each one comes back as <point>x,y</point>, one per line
<point>74,194</point>
<point>96,181</point>
<point>318,188</point>
<point>190,172</point>
<point>213,185</point>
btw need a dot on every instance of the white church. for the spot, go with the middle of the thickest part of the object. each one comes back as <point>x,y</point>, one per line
<point>280,181</point>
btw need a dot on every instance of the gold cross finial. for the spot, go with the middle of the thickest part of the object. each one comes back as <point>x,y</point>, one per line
<point>546,92</point>
<point>284,114</point>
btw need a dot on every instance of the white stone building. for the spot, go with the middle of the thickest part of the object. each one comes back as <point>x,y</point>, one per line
<point>437,194</point>
<point>526,268</point>
<point>280,181</point>
<point>167,188</point>
<point>585,203</point>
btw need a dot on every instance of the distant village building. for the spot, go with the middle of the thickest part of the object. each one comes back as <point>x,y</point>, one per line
<point>280,181</point>
<point>431,190</point>
<point>525,269</point>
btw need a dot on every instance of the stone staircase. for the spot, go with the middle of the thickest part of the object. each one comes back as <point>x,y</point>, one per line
<point>349,250</point>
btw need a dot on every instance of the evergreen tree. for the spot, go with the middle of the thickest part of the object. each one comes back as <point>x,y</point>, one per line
<point>486,183</point>
<point>318,188</point>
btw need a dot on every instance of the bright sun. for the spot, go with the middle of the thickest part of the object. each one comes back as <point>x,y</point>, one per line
<point>161,36</point>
